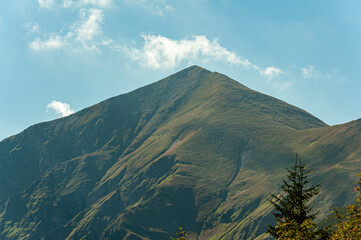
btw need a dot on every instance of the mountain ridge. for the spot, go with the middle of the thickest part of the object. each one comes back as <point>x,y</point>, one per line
<point>140,89</point>
<point>184,151</point>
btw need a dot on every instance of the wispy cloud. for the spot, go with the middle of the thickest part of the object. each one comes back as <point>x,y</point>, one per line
<point>85,33</point>
<point>32,28</point>
<point>162,52</point>
<point>60,108</point>
<point>77,3</point>
<point>159,52</point>
<point>88,28</point>
<point>53,42</point>
<point>82,3</point>
<point>46,3</point>
<point>310,72</point>
<point>158,7</point>
<point>270,72</point>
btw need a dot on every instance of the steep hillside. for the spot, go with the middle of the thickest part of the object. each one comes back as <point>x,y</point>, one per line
<point>196,149</point>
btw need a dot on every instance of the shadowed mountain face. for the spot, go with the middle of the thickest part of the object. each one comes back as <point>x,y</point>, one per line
<point>196,149</point>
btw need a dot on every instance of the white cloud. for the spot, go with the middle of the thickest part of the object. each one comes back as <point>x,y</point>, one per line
<point>83,34</point>
<point>32,27</point>
<point>60,108</point>
<point>74,3</point>
<point>54,42</point>
<point>159,7</point>
<point>270,72</point>
<point>161,52</point>
<point>46,3</point>
<point>88,27</point>
<point>99,3</point>
<point>278,83</point>
<point>68,3</point>
<point>82,3</point>
<point>310,72</point>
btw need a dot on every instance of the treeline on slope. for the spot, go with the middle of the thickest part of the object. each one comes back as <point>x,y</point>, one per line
<point>294,216</point>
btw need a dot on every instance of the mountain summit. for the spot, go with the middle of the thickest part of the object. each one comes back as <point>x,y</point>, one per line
<point>196,149</point>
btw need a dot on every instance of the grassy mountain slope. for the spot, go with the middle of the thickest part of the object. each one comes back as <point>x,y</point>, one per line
<point>196,149</point>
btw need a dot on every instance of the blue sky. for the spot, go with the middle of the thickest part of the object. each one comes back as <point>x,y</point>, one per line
<point>60,56</point>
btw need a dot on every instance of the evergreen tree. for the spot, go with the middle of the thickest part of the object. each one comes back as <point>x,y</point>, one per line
<point>291,208</point>
<point>181,234</point>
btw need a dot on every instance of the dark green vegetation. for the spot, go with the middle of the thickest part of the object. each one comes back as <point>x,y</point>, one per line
<point>197,150</point>
<point>181,234</point>
<point>349,218</point>
<point>291,204</point>
<point>293,213</point>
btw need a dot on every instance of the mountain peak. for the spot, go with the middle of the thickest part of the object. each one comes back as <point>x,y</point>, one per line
<point>195,68</point>
<point>184,151</point>
<point>190,71</point>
